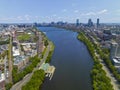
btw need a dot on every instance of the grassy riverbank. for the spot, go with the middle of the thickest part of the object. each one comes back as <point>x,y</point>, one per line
<point>52,46</point>
<point>17,76</point>
<point>36,81</point>
<point>99,79</point>
<point>38,76</point>
<point>105,55</point>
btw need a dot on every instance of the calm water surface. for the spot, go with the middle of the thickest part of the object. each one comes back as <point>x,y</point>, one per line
<point>71,59</point>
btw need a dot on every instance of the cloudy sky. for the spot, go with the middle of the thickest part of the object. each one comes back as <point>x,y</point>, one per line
<point>23,11</point>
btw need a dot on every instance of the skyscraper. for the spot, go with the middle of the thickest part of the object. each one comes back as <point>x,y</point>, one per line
<point>98,23</point>
<point>77,22</point>
<point>90,23</point>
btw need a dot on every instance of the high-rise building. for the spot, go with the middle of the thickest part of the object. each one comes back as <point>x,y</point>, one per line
<point>98,23</point>
<point>90,23</point>
<point>77,22</point>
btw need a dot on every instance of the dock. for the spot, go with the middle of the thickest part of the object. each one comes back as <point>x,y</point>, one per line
<point>49,70</point>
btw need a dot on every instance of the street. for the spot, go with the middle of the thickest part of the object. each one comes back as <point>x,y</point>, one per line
<point>19,85</point>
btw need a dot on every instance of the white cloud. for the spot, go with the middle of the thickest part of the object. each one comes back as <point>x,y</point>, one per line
<point>64,10</point>
<point>7,18</point>
<point>90,13</point>
<point>17,18</point>
<point>54,15</point>
<point>76,11</point>
<point>102,11</point>
<point>37,17</point>
<point>59,17</point>
<point>95,13</point>
<point>20,18</point>
<point>27,17</point>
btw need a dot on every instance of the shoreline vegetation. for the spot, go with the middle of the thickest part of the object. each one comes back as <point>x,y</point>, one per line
<point>99,79</point>
<point>52,47</point>
<point>36,81</point>
<point>104,54</point>
<point>38,76</point>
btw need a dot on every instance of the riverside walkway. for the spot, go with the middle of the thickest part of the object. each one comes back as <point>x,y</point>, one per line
<point>19,84</point>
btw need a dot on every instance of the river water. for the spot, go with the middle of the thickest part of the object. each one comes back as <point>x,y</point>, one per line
<point>71,59</point>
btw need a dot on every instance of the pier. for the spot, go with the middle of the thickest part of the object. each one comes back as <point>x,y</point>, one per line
<point>49,70</point>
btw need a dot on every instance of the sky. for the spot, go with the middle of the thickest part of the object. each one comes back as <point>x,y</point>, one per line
<point>30,11</point>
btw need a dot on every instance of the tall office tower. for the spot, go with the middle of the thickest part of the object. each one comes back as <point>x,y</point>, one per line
<point>90,23</point>
<point>98,23</point>
<point>77,22</point>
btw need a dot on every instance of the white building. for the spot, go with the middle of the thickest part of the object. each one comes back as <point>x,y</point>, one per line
<point>2,81</point>
<point>16,51</point>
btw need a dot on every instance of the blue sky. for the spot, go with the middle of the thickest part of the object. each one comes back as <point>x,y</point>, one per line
<point>29,11</point>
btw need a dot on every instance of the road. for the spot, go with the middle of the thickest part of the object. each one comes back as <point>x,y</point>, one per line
<point>114,82</point>
<point>19,85</point>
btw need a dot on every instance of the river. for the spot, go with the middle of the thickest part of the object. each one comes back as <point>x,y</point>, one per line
<point>72,61</point>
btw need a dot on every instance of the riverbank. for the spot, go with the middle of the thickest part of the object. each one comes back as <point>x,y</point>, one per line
<point>36,83</point>
<point>104,59</point>
<point>72,61</point>
<point>100,80</point>
<point>52,47</point>
<point>21,78</point>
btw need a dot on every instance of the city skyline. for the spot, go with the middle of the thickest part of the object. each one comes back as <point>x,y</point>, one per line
<point>26,11</point>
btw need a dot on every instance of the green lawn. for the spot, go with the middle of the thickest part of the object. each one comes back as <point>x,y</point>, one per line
<point>24,37</point>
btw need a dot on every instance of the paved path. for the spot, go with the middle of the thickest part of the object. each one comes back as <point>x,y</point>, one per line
<point>114,82</point>
<point>19,85</point>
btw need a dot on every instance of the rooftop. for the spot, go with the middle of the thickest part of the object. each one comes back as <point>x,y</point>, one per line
<point>2,77</point>
<point>19,59</point>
